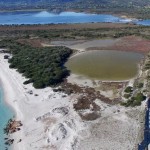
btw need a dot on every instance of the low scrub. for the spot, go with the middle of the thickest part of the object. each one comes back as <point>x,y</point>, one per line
<point>134,101</point>
<point>128,89</point>
<point>42,66</point>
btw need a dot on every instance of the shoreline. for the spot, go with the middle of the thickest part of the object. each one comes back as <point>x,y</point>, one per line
<point>5,99</point>
<point>122,19</point>
<point>55,114</point>
<point>76,77</point>
<point>9,96</point>
<point>7,112</point>
<point>53,111</point>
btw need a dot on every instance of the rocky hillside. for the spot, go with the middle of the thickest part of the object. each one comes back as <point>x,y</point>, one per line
<point>100,3</point>
<point>136,8</point>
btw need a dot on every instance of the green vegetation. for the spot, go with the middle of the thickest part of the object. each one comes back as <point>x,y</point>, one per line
<point>69,33</point>
<point>140,85</point>
<point>127,96</point>
<point>134,101</point>
<point>135,95</point>
<point>38,69</point>
<point>139,97</point>
<point>128,89</point>
<point>42,66</point>
<point>147,65</point>
<point>45,32</point>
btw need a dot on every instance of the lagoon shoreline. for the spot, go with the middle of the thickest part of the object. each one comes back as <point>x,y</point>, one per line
<point>45,116</point>
<point>46,103</point>
<point>64,17</point>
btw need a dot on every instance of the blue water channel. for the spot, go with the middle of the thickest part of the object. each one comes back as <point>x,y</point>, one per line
<point>45,17</point>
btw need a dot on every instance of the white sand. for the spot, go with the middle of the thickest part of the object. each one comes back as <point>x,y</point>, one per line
<point>58,125</point>
<point>50,122</point>
<point>118,128</point>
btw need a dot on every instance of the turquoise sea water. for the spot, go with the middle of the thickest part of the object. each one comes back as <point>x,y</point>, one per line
<point>5,114</point>
<point>45,17</point>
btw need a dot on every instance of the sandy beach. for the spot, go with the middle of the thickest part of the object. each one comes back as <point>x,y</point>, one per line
<point>50,121</point>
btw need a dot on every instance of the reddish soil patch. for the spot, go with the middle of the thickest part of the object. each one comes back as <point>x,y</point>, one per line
<point>90,116</point>
<point>129,43</point>
<point>85,103</point>
<point>87,94</point>
<point>132,43</point>
<point>86,99</point>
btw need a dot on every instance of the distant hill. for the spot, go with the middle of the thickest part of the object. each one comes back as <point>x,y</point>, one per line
<point>136,7</point>
<point>113,3</point>
<point>31,2</point>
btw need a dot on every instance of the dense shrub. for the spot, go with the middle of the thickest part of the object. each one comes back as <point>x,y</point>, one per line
<point>140,85</point>
<point>134,101</point>
<point>127,96</point>
<point>43,66</point>
<point>140,97</point>
<point>128,89</point>
<point>28,81</point>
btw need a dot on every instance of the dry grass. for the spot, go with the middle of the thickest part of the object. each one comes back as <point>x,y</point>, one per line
<point>66,26</point>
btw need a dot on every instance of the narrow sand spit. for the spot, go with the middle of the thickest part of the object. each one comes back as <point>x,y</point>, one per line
<point>50,122</point>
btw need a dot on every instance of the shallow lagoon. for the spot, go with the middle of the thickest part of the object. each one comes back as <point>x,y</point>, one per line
<point>45,17</point>
<point>106,65</point>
